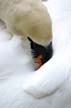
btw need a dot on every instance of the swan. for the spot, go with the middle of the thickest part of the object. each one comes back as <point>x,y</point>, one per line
<point>54,77</point>
<point>49,86</point>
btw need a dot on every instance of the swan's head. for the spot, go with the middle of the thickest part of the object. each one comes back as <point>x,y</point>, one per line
<point>31,19</point>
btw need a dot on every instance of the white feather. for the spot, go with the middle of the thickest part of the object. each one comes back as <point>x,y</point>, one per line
<point>52,80</point>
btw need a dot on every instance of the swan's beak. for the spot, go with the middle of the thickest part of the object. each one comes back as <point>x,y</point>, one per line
<point>38,61</point>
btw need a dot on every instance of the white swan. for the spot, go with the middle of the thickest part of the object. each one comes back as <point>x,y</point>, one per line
<point>53,80</point>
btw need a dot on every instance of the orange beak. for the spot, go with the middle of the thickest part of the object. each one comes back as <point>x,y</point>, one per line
<point>38,61</point>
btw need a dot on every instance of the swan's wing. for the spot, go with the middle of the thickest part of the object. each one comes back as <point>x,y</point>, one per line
<point>50,77</point>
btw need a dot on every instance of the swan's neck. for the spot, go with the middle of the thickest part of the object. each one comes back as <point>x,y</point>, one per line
<point>61,34</point>
<point>60,11</point>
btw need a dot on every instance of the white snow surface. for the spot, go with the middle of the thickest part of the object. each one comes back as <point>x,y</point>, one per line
<point>48,87</point>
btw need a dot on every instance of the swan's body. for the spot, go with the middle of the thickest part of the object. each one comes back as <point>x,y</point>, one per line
<point>16,66</point>
<point>53,80</point>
